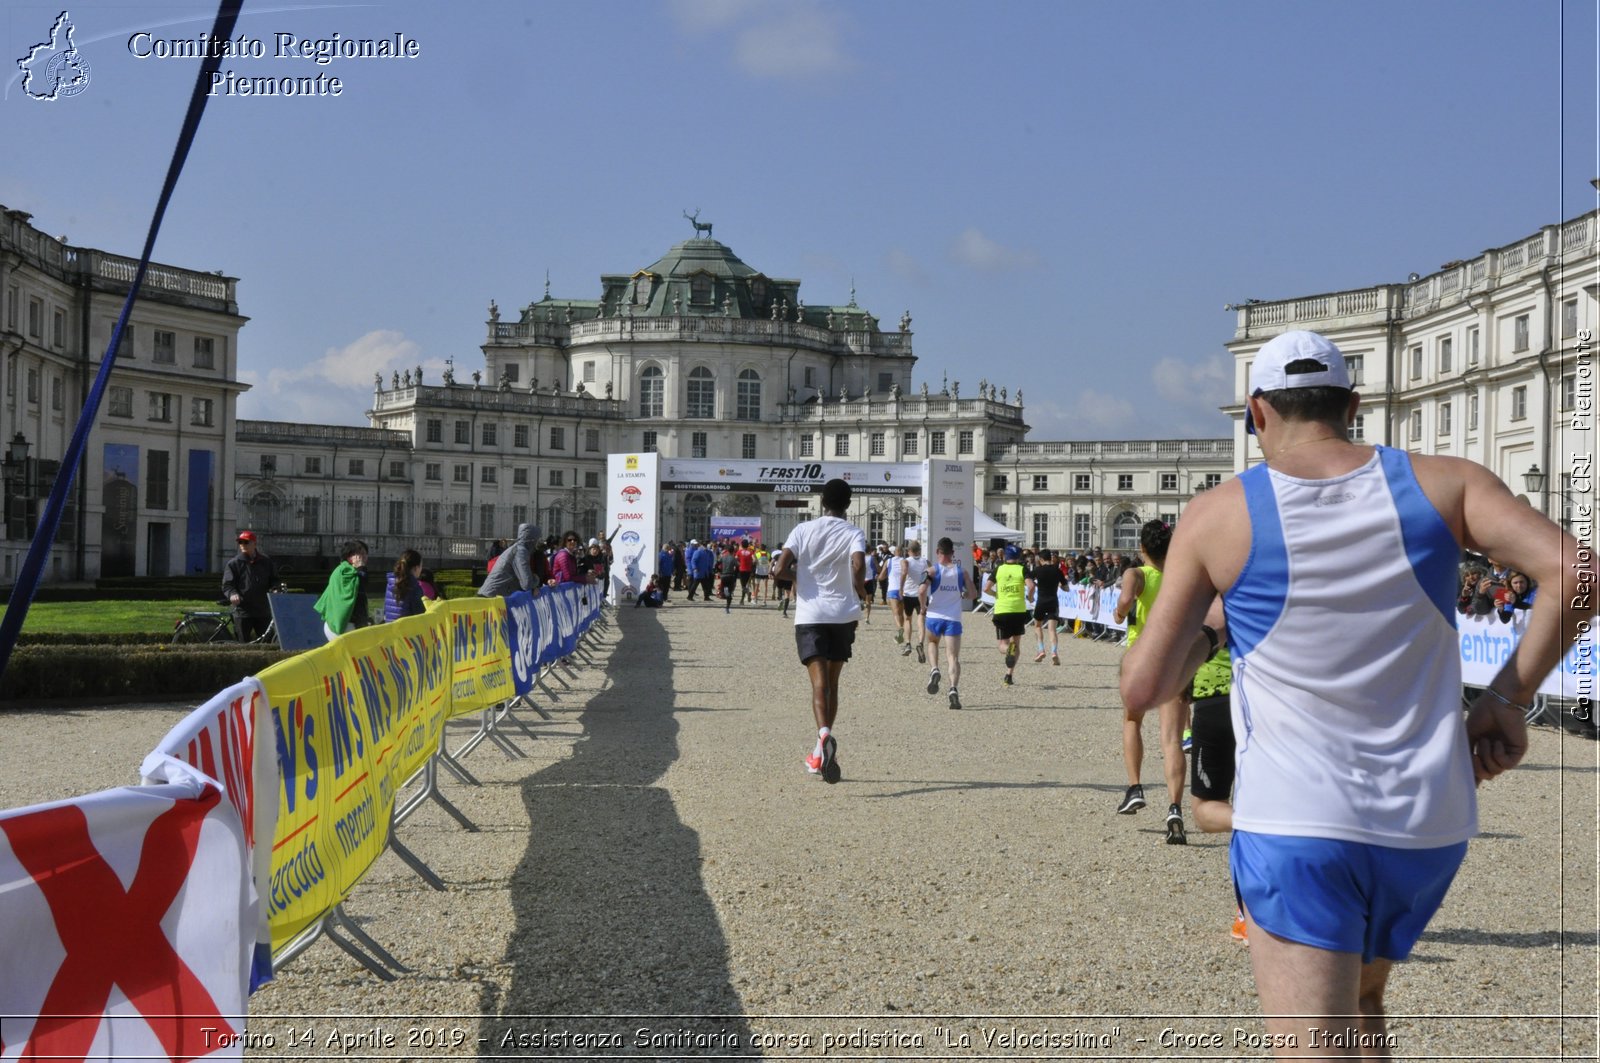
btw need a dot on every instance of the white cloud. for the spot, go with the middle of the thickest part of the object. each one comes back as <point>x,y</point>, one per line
<point>975,249</point>
<point>905,264</point>
<point>700,15</point>
<point>1087,414</point>
<point>335,388</point>
<point>1196,387</point>
<point>799,42</point>
<point>771,40</point>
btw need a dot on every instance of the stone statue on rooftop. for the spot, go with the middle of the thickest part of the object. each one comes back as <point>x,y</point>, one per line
<point>407,378</point>
<point>955,389</point>
<point>727,305</point>
<point>417,376</point>
<point>1002,394</point>
<point>394,381</point>
<point>774,311</point>
<point>799,311</point>
<point>894,391</point>
<point>1019,396</point>
<point>494,311</point>
<point>699,226</point>
<point>905,321</point>
<point>830,320</point>
<point>924,389</point>
<point>677,303</point>
<point>608,389</point>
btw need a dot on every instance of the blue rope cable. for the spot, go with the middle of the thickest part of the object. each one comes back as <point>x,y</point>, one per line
<point>39,550</point>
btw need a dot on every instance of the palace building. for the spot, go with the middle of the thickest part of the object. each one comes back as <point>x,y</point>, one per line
<point>1489,358</point>
<point>696,355</point>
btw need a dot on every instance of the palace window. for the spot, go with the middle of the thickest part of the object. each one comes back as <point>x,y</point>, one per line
<point>558,437</point>
<point>1446,354</point>
<point>652,391</point>
<point>1124,481</point>
<point>461,474</point>
<point>964,442</point>
<point>433,471</point>
<point>935,442</point>
<point>1041,481</point>
<point>908,444</point>
<point>1519,403</point>
<point>1169,481</point>
<point>697,444</point>
<point>1519,333</point>
<point>491,435</point>
<point>205,356</point>
<point>519,436</point>
<point>748,406</point>
<point>435,431</point>
<point>1080,481</point>
<point>200,412</point>
<point>875,444</point>
<point>841,445</point>
<point>808,445</point>
<point>121,400</point>
<point>463,432</point>
<point>702,393</point>
<point>357,467</point>
<point>163,345</point>
<point>647,442</point>
<point>747,447</point>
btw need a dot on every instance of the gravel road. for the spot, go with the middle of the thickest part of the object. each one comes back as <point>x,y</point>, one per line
<point>656,876</point>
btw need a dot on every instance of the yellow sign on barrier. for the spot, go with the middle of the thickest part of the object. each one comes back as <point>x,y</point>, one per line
<point>481,674</point>
<point>353,720</point>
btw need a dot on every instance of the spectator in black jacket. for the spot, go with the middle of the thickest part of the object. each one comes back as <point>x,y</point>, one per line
<point>246,581</point>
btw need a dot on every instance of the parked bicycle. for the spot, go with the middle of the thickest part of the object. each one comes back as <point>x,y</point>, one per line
<point>217,626</point>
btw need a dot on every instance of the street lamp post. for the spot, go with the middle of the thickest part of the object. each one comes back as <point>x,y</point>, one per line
<point>1537,481</point>
<point>19,488</point>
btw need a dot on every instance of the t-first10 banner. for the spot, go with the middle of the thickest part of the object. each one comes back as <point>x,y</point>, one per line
<point>946,504</point>
<point>633,497</point>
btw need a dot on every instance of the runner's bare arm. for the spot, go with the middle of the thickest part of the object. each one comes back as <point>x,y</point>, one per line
<point>1171,645</point>
<point>784,568</point>
<point>1132,586</point>
<point>1497,524</point>
<point>858,572</point>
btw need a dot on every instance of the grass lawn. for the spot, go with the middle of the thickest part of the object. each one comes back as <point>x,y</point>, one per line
<point>108,617</point>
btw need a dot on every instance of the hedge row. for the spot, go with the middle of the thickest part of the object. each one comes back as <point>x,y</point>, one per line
<point>92,638</point>
<point>117,671</point>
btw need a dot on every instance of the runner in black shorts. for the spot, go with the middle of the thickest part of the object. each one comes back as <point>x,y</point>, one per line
<point>1211,761</point>
<point>1044,584</point>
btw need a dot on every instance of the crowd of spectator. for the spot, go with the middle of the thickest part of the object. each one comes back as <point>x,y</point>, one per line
<point>1490,589</point>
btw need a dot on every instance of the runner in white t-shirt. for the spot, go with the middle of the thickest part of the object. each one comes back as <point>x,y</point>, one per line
<point>913,570</point>
<point>943,594</point>
<point>826,558</point>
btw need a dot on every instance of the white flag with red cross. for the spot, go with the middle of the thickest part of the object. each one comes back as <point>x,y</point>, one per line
<point>126,926</point>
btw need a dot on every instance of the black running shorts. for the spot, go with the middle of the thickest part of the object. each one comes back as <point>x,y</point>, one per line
<point>831,642</point>
<point>1009,625</point>
<point>1048,610</point>
<point>911,604</point>
<point>1211,755</point>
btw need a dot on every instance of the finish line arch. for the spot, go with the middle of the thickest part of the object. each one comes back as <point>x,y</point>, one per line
<point>636,483</point>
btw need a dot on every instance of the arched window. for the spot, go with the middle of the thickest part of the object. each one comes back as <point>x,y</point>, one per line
<point>1125,532</point>
<point>748,407</point>
<point>652,391</point>
<point>702,393</point>
<point>697,517</point>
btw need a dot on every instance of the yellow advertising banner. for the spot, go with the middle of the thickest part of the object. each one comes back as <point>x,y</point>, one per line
<point>481,661</point>
<point>353,720</point>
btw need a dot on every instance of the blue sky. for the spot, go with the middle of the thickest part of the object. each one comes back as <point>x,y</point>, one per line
<point>1062,194</point>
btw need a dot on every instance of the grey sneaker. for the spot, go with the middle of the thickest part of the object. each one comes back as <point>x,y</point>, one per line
<point>955,699</point>
<point>922,654</point>
<point>1132,800</point>
<point>1175,835</point>
<point>933,681</point>
<point>905,651</point>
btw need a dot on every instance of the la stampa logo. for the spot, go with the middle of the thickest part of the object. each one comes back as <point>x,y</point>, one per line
<point>55,68</point>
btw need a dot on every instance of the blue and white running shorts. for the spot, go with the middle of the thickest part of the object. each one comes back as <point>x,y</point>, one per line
<point>935,626</point>
<point>1340,895</point>
<point>894,595</point>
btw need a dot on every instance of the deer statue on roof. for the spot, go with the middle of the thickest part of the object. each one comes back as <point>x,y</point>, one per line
<point>699,226</point>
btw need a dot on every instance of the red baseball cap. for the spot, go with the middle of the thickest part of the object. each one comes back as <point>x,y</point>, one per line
<point>247,537</point>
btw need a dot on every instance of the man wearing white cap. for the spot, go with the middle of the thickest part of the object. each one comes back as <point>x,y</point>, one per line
<point>1354,795</point>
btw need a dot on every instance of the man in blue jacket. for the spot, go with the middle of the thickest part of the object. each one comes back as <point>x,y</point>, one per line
<point>701,562</point>
<point>664,562</point>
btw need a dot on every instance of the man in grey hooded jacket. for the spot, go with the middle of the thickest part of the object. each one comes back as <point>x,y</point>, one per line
<point>520,567</point>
